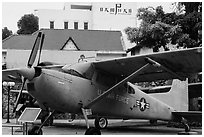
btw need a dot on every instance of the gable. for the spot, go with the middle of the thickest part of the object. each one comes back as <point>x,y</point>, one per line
<point>70,45</point>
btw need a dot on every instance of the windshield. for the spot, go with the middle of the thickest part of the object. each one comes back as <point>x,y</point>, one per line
<point>74,73</point>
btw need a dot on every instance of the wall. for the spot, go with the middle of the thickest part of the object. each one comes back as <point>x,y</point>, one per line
<point>60,16</point>
<point>103,16</point>
<point>114,16</point>
<point>19,58</point>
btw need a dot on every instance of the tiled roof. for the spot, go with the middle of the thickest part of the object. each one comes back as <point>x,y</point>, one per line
<point>55,39</point>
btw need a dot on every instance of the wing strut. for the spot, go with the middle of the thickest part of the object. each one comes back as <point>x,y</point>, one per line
<point>156,64</point>
<point>130,77</point>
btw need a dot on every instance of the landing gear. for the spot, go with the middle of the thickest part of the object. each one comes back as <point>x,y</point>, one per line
<point>49,121</point>
<point>90,130</point>
<point>186,126</point>
<point>101,122</point>
<point>37,130</point>
<point>187,130</point>
<point>45,114</point>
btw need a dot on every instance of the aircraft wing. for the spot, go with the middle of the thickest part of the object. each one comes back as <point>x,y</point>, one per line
<point>190,115</point>
<point>183,63</point>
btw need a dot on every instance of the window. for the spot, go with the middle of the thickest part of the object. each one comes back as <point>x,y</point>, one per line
<point>85,25</point>
<point>65,25</point>
<point>75,25</point>
<point>51,24</point>
<point>74,73</point>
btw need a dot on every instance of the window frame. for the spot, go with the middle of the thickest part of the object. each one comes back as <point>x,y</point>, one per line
<point>52,24</point>
<point>76,25</point>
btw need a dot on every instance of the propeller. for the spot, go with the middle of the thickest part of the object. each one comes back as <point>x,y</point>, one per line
<point>19,95</point>
<point>41,45</point>
<point>29,72</point>
<point>34,51</point>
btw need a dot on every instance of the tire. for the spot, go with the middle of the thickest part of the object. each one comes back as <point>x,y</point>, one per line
<point>34,131</point>
<point>92,131</point>
<point>101,123</point>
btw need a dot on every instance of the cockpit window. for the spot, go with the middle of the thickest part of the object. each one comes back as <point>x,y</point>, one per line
<point>130,90</point>
<point>83,70</point>
<point>74,73</point>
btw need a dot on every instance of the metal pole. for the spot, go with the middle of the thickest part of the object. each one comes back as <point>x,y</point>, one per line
<point>26,131</point>
<point>8,105</point>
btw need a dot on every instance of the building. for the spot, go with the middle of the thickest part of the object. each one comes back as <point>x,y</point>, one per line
<point>64,46</point>
<point>91,16</point>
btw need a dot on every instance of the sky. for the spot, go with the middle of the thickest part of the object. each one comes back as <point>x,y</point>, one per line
<point>19,9</point>
<point>12,11</point>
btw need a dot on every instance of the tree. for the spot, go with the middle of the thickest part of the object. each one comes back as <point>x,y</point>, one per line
<point>6,33</point>
<point>28,24</point>
<point>157,29</point>
<point>191,24</point>
<point>192,7</point>
<point>152,32</point>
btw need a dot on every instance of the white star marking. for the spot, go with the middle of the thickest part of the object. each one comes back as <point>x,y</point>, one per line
<point>142,104</point>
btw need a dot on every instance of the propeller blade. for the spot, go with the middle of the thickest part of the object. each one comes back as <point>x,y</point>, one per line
<point>19,95</point>
<point>34,50</point>
<point>41,44</point>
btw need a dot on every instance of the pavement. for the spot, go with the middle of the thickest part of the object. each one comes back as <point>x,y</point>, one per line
<point>115,127</point>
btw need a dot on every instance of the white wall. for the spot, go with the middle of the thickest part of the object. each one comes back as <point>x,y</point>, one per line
<point>60,16</point>
<point>112,20</point>
<point>19,58</point>
<point>97,19</point>
<point>104,20</point>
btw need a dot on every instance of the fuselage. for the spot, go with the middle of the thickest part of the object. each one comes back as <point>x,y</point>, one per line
<point>68,93</point>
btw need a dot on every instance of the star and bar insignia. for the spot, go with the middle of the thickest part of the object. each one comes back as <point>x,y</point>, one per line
<point>142,104</point>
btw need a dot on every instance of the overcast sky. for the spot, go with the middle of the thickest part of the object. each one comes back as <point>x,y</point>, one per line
<point>13,11</point>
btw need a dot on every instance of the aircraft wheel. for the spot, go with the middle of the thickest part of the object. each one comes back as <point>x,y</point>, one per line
<point>92,131</point>
<point>101,123</point>
<point>34,131</point>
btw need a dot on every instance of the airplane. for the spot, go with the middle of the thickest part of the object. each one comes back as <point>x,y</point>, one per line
<point>105,88</point>
<point>194,91</point>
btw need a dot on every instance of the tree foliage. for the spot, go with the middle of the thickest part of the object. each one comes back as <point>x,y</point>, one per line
<point>28,24</point>
<point>6,33</point>
<point>158,29</point>
<point>191,6</point>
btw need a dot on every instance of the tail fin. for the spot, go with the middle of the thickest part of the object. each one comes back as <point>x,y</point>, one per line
<point>177,97</point>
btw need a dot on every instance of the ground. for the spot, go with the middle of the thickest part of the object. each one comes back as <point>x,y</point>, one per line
<point>115,127</point>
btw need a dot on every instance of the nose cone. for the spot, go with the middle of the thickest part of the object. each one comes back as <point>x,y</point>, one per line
<point>28,73</point>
